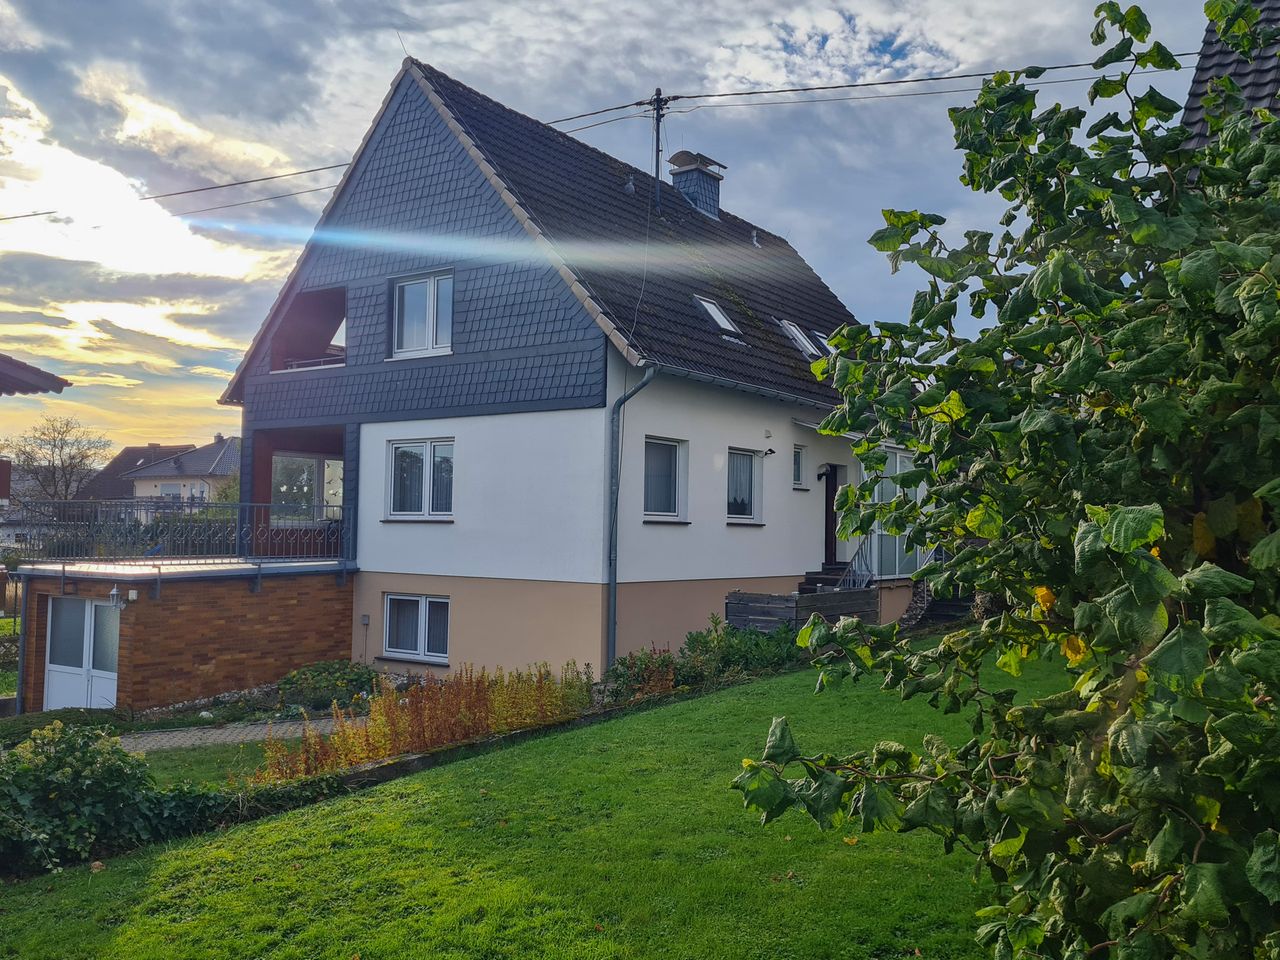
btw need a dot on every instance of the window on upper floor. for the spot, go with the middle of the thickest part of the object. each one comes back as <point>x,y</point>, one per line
<point>799,339</point>
<point>826,344</point>
<point>746,475</point>
<point>718,315</point>
<point>664,478</point>
<point>797,466</point>
<point>422,323</point>
<point>312,332</point>
<point>416,628</point>
<point>421,479</point>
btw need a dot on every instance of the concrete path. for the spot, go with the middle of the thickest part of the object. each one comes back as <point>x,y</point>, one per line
<point>147,740</point>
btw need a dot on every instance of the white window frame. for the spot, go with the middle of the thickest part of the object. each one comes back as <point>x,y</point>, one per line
<point>427,445</point>
<point>682,481</point>
<point>802,342</point>
<point>900,539</point>
<point>434,348</point>
<point>799,482</point>
<point>319,509</point>
<point>420,656</point>
<point>716,313</point>
<point>757,487</point>
<point>822,338</point>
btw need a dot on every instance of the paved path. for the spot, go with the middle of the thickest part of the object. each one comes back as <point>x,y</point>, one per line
<point>147,740</point>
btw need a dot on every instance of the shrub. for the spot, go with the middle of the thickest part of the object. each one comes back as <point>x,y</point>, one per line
<point>319,685</point>
<point>643,673</point>
<point>68,792</point>
<point>433,713</point>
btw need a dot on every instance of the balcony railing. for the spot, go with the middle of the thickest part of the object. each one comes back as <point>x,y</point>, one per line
<point>170,530</point>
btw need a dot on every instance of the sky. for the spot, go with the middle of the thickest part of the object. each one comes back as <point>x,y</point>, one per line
<point>147,312</point>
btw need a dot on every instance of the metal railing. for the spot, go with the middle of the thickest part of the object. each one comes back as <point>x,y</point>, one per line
<point>861,572</point>
<point>170,530</point>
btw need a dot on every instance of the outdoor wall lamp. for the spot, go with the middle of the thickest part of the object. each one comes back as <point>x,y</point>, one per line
<point>117,601</point>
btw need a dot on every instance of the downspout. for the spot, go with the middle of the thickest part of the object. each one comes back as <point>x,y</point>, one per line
<point>22,644</point>
<point>615,481</point>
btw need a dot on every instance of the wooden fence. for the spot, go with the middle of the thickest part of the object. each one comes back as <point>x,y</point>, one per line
<point>767,611</point>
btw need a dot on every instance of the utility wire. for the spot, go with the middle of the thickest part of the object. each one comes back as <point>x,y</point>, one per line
<point>831,86</point>
<point>216,186</point>
<point>245,203</point>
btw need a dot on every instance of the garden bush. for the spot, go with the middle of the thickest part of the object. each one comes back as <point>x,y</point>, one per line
<point>67,792</point>
<point>433,713</point>
<point>319,685</point>
<point>711,657</point>
<point>70,793</point>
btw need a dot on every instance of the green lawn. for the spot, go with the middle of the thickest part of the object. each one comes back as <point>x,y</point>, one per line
<point>212,764</point>
<point>619,840</point>
<point>8,683</point>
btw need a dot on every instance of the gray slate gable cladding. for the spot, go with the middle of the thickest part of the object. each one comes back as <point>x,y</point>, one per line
<point>1259,80</point>
<point>521,340</point>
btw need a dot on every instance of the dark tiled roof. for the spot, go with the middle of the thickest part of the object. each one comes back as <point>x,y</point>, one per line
<point>18,377</point>
<point>218,459</point>
<point>1258,80</point>
<point>111,484</point>
<point>578,197</point>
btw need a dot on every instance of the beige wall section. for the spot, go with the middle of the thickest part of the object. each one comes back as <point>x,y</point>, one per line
<point>661,612</point>
<point>894,597</point>
<point>492,623</point>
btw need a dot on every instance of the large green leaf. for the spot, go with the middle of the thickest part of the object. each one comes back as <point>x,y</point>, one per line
<point>1210,580</point>
<point>1179,661</point>
<point>1128,528</point>
<point>1263,868</point>
<point>780,748</point>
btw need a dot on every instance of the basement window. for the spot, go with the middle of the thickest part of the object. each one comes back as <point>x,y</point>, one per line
<point>416,628</point>
<point>718,315</point>
<point>799,339</point>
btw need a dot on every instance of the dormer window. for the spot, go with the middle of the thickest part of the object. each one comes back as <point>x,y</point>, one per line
<point>423,321</point>
<point>718,315</point>
<point>799,339</point>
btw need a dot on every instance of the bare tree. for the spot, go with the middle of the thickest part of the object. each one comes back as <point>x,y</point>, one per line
<point>57,456</point>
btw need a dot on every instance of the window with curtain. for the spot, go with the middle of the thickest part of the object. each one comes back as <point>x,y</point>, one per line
<point>417,628</point>
<point>303,485</point>
<point>421,479</point>
<point>743,499</point>
<point>423,321</point>
<point>661,477</point>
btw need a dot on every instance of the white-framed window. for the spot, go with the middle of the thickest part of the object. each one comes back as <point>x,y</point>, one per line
<point>665,471</point>
<point>798,337</point>
<point>416,628</point>
<point>745,482</point>
<point>826,344</point>
<point>422,322</point>
<point>894,557</point>
<point>305,487</point>
<point>798,465</point>
<point>718,315</point>
<point>420,474</point>
<point>171,491</point>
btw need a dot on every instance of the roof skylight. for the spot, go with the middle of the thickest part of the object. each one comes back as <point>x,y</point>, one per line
<point>719,316</point>
<point>797,336</point>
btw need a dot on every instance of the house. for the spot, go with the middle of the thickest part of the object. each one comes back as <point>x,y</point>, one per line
<point>574,407</point>
<point>193,473</point>
<point>16,378</point>
<point>110,482</point>
<point>516,402</point>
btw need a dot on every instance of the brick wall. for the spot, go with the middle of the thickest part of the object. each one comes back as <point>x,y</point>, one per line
<point>204,637</point>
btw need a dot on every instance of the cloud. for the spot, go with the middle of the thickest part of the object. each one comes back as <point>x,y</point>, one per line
<point>85,379</point>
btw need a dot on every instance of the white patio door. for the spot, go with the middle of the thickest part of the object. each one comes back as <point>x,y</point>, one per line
<point>83,653</point>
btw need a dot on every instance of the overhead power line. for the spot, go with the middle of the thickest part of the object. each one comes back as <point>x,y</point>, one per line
<point>245,203</point>
<point>824,87</point>
<point>216,186</point>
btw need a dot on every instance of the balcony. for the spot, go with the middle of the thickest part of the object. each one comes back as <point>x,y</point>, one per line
<point>166,531</point>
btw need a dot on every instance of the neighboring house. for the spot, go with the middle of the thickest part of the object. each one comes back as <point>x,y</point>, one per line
<point>193,473</point>
<point>1258,79</point>
<point>110,483</point>
<point>16,378</point>
<point>504,289</point>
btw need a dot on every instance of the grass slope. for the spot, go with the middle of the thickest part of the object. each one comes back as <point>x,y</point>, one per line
<point>614,841</point>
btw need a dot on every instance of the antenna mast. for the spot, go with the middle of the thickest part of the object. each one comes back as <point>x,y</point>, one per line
<point>659,102</point>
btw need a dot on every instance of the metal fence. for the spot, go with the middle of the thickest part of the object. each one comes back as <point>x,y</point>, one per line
<point>193,531</point>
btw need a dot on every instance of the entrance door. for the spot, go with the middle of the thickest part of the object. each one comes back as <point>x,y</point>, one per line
<point>82,656</point>
<point>831,481</point>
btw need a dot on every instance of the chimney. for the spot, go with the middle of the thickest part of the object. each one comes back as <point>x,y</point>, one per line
<point>217,438</point>
<point>693,176</point>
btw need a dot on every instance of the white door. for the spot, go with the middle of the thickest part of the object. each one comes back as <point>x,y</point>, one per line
<point>84,645</point>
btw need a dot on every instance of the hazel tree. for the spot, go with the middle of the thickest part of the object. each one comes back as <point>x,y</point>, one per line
<point>1104,458</point>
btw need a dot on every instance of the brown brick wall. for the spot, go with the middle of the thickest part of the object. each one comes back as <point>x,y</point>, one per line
<point>204,637</point>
